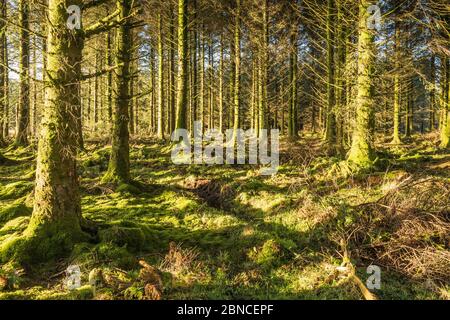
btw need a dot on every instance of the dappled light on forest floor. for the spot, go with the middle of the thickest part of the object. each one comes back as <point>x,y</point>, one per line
<point>222,232</point>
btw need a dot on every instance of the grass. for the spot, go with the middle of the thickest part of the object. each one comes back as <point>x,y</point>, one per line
<point>238,236</point>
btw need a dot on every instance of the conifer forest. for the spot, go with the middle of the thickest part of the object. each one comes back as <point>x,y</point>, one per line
<point>224,149</point>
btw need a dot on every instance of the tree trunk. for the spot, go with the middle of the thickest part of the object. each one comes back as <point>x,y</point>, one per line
<point>23,119</point>
<point>160,115</point>
<point>361,153</point>
<point>221,66</point>
<point>55,223</point>
<point>330,129</point>
<point>182,99</point>
<point>3,72</point>
<point>445,128</point>
<point>237,65</point>
<point>396,134</point>
<point>119,163</point>
<point>292,119</point>
<point>109,75</point>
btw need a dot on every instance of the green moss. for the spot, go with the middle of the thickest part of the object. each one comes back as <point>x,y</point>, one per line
<point>128,188</point>
<point>116,256</point>
<point>267,255</point>
<point>12,211</point>
<point>42,242</point>
<point>15,190</point>
<point>132,238</point>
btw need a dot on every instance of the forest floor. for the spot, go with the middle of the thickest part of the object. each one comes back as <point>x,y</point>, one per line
<point>225,232</point>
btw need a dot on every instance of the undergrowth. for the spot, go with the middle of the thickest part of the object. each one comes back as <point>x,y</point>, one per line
<point>224,232</point>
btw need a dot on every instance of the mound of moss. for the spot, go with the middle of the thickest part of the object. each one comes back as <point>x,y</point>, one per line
<point>13,211</point>
<point>15,190</point>
<point>132,238</point>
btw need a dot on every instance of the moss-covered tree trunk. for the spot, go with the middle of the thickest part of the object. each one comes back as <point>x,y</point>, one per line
<point>292,118</point>
<point>396,134</point>
<point>119,162</point>
<point>361,152</point>
<point>237,66</point>
<point>23,119</point>
<point>221,75</point>
<point>445,127</point>
<point>432,113</point>
<point>339,78</point>
<point>160,115</point>
<point>182,89</point>
<point>194,65</point>
<point>3,105</point>
<point>56,218</point>
<point>172,92</point>
<point>201,101</point>
<point>330,128</point>
<point>109,76</point>
<point>211,82</point>
<point>263,57</point>
<point>5,90</point>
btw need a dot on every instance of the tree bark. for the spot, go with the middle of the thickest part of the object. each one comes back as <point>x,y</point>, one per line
<point>361,152</point>
<point>23,120</point>
<point>119,163</point>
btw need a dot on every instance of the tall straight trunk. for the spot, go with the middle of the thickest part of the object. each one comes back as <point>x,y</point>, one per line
<point>182,99</point>
<point>152,99</point>
<point>253,98</point>
<point>211,83</point>
<point>396,134</point>
<point>339,78</point>
<point>88,111</point>
<point>109,75</point>
<point>230,109</point>
<point>55,224</point>
<point>172,91</point>
<point>292,114</point>
<point>3,72</point>
<point>201,100</point>
<point>96,92</point>
<point>194,88</point>
<point>445,127</point>
<point>160,115</point>
<point>131,105</point>
<point>221,66</point>
<point>23,114</point>
<point>361,152</point>
<point>432,112</point>
<point>6,90</point>
<point>330,129</point>
<point>408,107</point>
<point>136,100</point>
<point>263,119</point>
<point>237,65</point>
<point>35,102</point>
<point>119,162</point>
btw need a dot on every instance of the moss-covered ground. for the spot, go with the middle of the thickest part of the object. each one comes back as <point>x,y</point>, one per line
<point>221,232</point>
